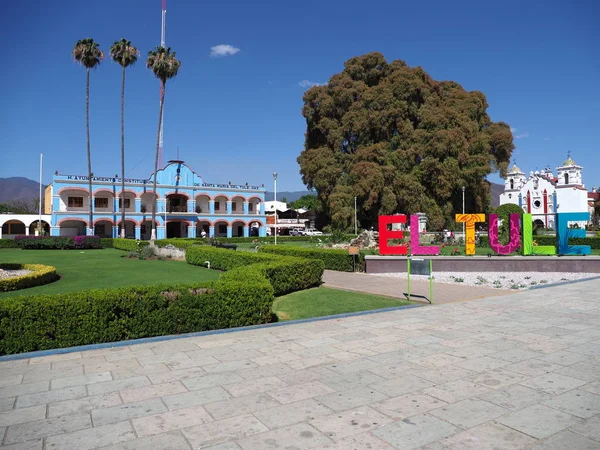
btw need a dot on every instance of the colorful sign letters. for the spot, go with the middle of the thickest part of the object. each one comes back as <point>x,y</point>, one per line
<point>517,236</point>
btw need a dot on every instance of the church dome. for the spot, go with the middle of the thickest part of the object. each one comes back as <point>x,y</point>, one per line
<point>514,169</point>
<point>569,162</point>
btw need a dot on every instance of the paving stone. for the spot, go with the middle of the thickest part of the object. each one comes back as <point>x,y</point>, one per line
<point>212,433</point>
<point>135,371</point>
<point>538,421</point>
<point>469,413</point>
<point>29,445</point>
<point>351,381</point>
<point>498,378</point>
<point>156,390</point>
<point>213,380</point>
<point>22,415</point>
<point>241,405</point>
<point>57,395</point>
<point>194,398</point>
<point>437,360</point>
<point>192,362</point>
<point>533,367</point>
<point>81,362</point>
<point>165,441</point>
<point>169,375</point>
<point>229,366</point>
<point>297,436</point>
<point>92,437</point>
<point>118,385</point>
<point>515,397</point>
<point>291,413</point>
<point>224,446</point>
<point>444,374</point>
<point>590,349</point>
<point>566,440</point>
<point>594,388</point>
<point>10,380</point>
<point>353,366</point>
<point>104,416</point>
<point>415,432</point>
<point>401,385</point>
<point>170,420</point>
<point>472,352</point>
<point>112,366</point>
<point>589,428</point>
<point>254,386</point>
<point>488,436</point>
<point>7,403</point>
<point>264,371</point>
<point>408,405</point>
<point>299,392</point>
<point>458,390</point>
<point>23,389</point>
<point>577,403</point>
<point>41,428</point>
<point>166,358</point>
<point>515,355</point>
<point>307,375</point>
<point>55,358</point>
<point>340,401</point>
<point>553,383</point>
<point>364,441</point>
<point>587,371</point>
<point>83,405</point>
<point>343,424</point>
<point>80,380</point>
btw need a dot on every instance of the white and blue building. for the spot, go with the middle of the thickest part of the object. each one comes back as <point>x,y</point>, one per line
<point>186,206</point>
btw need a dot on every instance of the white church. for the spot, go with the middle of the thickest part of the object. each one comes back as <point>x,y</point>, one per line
<point>544,194</point>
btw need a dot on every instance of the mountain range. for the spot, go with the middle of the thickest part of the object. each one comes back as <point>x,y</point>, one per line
<point>24,189</point>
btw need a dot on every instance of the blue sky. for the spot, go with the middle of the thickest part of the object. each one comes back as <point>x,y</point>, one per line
<point>238,117</point>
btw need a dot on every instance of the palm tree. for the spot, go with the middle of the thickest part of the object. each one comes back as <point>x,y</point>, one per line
<point>125,54</point>
<point>165,66</point>
<point>87,53</point>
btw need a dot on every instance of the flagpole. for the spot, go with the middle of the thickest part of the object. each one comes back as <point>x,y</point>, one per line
<point>40,202</point>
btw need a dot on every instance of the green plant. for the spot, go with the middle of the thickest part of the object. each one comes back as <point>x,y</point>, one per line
<point>40,274</point>
<point>458,279</point>
<point>333,259</point>
<point>129,244</point>
<point>106,242</point>
<point>8,243</point>
<point>146,252</point>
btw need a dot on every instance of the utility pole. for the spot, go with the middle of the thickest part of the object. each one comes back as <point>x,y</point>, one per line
<point>355,223</point>
<point>40,205</point>
<point>275,202</point>
<point>163,26</point>
<point>464,236</point>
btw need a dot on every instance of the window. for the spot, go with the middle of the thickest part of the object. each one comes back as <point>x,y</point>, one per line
<point>75,202</point>
<point>250,206</point>
<point>222,229</point>
<point>566,178</point>
<point>127,203</point>
<point>13,228</point>
<point>512,183</point>
<point>217,205</point>
<point>100,202</point>
<point>233,206</point>
<point>537,204</point>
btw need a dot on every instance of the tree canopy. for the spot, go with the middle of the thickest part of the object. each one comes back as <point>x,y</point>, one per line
<point>308,201</point>
<point>399,141</point>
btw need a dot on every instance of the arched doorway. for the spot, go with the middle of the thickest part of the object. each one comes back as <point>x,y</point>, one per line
<point>254,205</point>
<point>221,204</point>
<point>177,203</point>
<point>72,227</point>
<point>177,228</point>
<point>221,228</point>
<point>103,228</point>
<point>130,228</point>
<point>202,204</point>
<point>145,229</point>
<point>202,225</point>
<point>147,202</point>
<point>237,228</point>
<point>12,228</point>
<point>538,223</point>
<point>33,228</point>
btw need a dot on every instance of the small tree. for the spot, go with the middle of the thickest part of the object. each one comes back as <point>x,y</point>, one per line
<point>504,212</point>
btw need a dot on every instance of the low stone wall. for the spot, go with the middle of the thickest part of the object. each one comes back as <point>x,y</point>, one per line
<point>172,252</point>
<point>392,264</point>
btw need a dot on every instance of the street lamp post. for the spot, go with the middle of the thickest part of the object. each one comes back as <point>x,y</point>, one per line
<point>463,224</point>
<point>355,224</point>
<point>275,202</point>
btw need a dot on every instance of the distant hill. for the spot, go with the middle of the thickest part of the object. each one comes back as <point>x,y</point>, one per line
<point>18,189</point>
<point>290,196</point>
<point>495,191</point>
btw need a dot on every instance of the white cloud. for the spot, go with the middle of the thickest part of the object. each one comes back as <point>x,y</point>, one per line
<point>223,50</point>
<point>308,84</point>
<point>520,135</point>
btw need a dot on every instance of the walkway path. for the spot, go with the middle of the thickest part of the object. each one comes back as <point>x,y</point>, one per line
<point>398,287</point>
<point>512,372</point>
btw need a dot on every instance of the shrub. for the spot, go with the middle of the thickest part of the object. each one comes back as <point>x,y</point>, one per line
<point>40,275</point>
<point>333,259</point>
<point>55,321</point>
<point>57,242</point>
<point>146,252</point>
<point>593,242</point>
<point>106,242</point>
<point>181,243</point>
<point>8,243</point>
<point>130,245</point>
<point>286,274</point>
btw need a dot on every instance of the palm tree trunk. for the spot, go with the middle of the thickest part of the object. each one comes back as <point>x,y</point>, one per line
<point>89,152</point>
<point>123,154</point>
<point>162,103</point>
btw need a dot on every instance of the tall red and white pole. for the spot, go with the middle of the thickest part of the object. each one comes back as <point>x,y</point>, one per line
<point>163,27</point>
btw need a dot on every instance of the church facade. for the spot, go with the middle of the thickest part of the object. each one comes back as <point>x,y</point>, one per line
<point>187,206</point>
<point>544,194</point>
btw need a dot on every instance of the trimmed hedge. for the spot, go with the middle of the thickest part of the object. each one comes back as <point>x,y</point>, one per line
<point>57,242</point>
<point>8,243</point>
<point>106,242</point>
<point>41,274</point>
<point>130,245</point>
<point>286,274</point>
<point>593,242</point>
<point>333,259</point>
<point>55,321</point>
<point>182,243</point>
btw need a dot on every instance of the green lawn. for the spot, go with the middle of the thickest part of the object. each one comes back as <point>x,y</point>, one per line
<point>97,269</point>
<point>322,301</point>
<point>245,245</point>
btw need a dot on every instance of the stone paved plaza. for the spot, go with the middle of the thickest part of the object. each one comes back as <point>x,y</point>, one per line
<point>511,372</point>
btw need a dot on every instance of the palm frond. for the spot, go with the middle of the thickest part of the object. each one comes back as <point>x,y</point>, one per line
<point>163,63</point>
<point>87,52</point>
<point>123,53</point>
